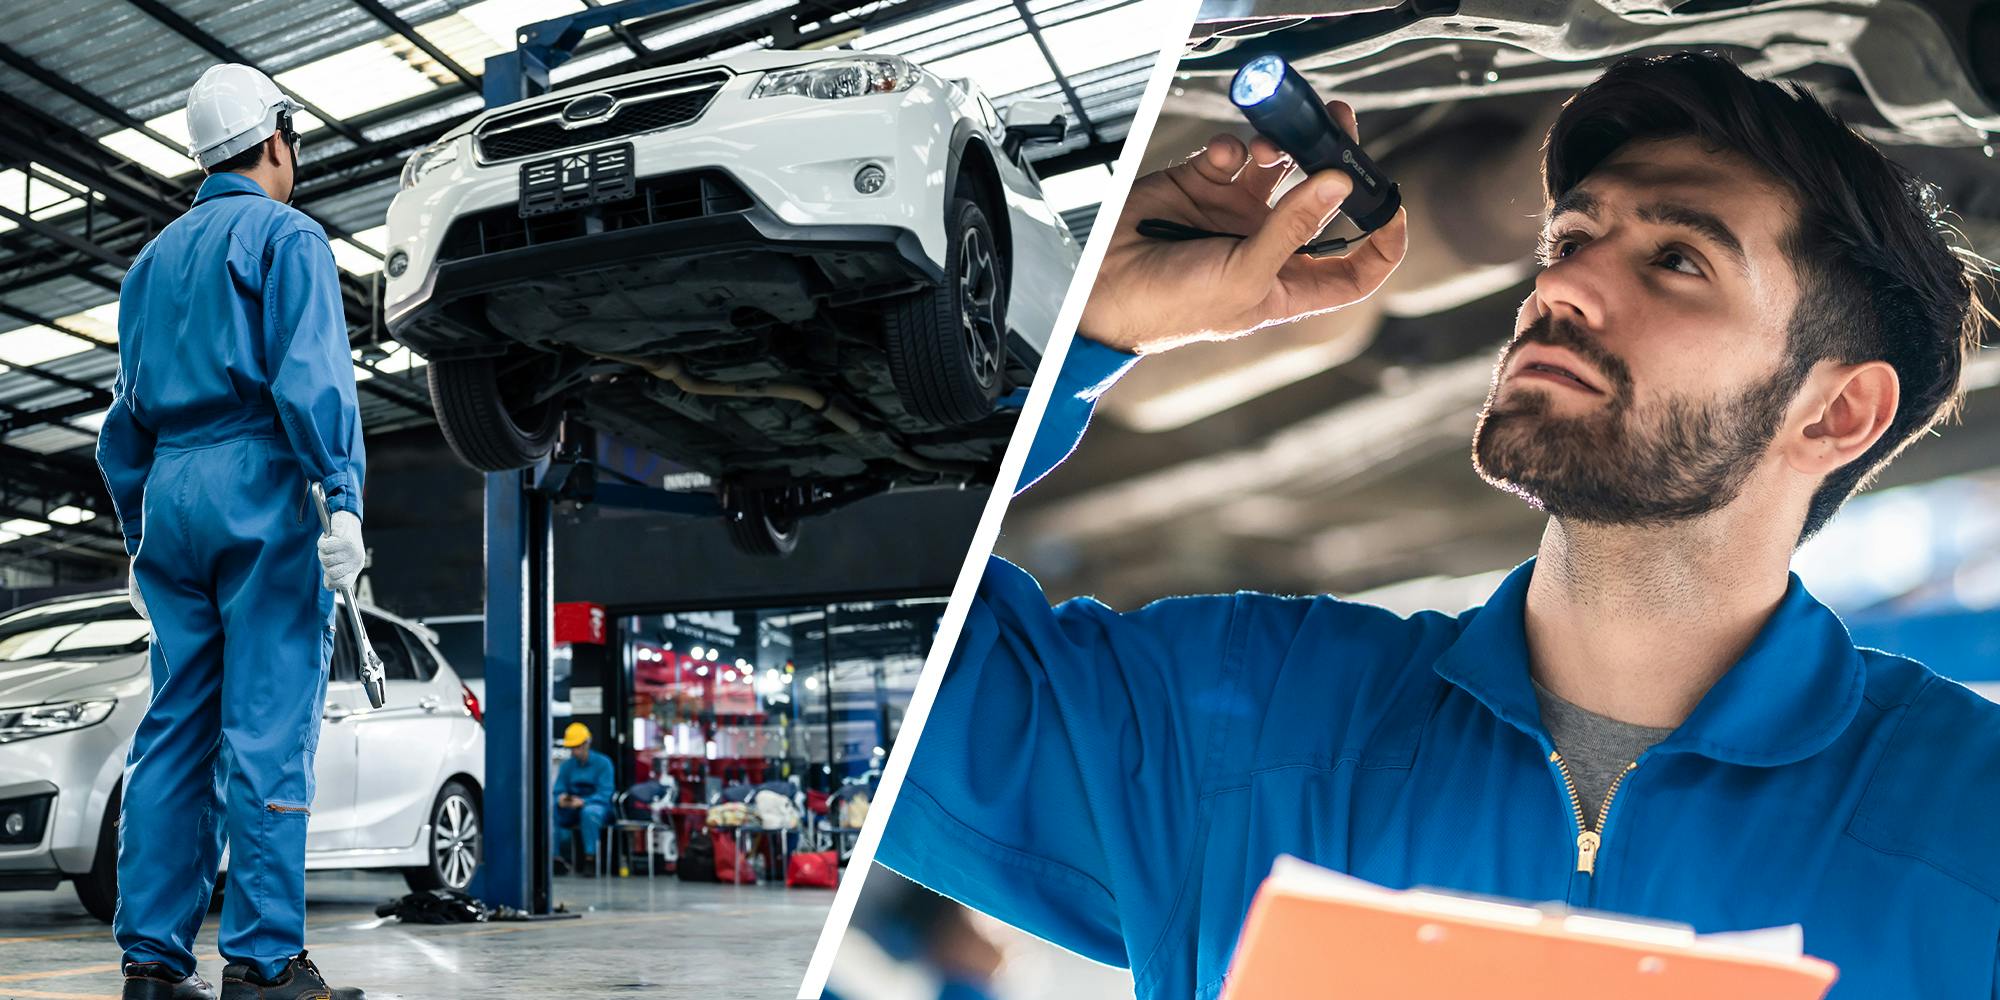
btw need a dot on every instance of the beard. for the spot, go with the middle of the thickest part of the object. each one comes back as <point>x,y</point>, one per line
<point>1670,461</point>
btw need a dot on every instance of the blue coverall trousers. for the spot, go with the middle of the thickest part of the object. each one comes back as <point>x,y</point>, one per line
<point>588,821</point>
<point>242,635</point>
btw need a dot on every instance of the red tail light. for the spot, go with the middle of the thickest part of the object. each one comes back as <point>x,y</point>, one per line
<point>472,704</point>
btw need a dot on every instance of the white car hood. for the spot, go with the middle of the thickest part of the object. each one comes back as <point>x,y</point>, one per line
<point>754,61</point>
<point>38,682</point>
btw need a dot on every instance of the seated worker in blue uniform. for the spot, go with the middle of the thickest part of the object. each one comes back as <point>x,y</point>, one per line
<point>584,784</point>
<point>1745,311</point>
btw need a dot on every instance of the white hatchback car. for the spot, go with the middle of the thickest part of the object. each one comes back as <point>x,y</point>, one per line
<point>397,787</point>
<point>810,275</point>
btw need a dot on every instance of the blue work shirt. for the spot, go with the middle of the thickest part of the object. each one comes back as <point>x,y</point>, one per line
<point>591,781</point>
<point>230,325</point>
<point>1119,783</point>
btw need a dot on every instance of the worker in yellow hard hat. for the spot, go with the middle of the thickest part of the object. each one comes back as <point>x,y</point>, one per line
<point>584,784</point>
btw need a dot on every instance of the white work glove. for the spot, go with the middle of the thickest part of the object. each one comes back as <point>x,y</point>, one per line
<point>132,589</point>
<point>340,551</point>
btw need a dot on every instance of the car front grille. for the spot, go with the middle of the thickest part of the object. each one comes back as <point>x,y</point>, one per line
<point>675,197</point>
<point>642,107</point>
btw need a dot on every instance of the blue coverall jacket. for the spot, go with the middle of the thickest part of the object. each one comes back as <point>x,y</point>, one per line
<point>235,391</point>
<point>1119,783</point>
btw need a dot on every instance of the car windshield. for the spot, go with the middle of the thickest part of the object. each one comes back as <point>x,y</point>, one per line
<point>84,628</point>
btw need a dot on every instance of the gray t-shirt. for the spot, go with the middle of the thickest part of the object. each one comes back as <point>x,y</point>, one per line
<point>1595,747</point>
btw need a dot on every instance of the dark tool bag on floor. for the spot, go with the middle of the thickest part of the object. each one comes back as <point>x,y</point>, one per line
<point>697,862</point>
<point>445,906</point>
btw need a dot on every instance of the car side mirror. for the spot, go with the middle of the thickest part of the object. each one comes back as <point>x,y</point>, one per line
<point>1034,120</point>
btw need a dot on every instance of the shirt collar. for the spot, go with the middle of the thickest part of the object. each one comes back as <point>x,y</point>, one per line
<point>1792,692</point>
<point>225,183</point>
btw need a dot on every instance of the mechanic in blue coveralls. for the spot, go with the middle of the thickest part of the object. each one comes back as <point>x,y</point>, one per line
<point>235,393</point>
<point>1744,311</point>
<point>583,788</point>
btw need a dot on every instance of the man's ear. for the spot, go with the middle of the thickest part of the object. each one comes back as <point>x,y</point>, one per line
<point>1847,408</point>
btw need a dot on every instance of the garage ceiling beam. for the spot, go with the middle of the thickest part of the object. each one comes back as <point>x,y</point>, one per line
<point>64,237</point>
<point>1062,79</point>
<point>395,23</point>
<point>47,78</point>
<point>216,47</point>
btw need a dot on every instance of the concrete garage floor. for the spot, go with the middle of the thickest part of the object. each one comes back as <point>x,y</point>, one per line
<point>637,936</point>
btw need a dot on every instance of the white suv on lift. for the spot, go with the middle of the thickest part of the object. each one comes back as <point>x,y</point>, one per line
<point>810,275</point>
<point>397,787</point>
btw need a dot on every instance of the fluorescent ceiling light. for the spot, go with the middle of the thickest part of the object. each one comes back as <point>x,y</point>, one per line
<point>959,17</point>
<point>1232,387</point>
<point>33,345</point>
<point>376,239</point>
<point>67,514</point>
<point>399,360</point>
<point>173,125</point>
<point>90,422</point>
<point>487,29</point>
<point>35,197</point>
<point>23,527</point>
<point>140,148</point>
<point>357,81</point>
<point>97,322</point>
<point>361,374</point>
<point>353,259</point>
<point>6,537</point>
<point>1076,188</point>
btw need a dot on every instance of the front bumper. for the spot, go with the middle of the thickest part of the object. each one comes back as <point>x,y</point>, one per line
<point>760,145</point>
<point>78,770</point>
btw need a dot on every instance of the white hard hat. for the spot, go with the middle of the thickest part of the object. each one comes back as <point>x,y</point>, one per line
<point>230,109</point>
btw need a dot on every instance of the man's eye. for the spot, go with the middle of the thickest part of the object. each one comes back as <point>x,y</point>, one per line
<point>1674,260</point>
<point>1556,246</point>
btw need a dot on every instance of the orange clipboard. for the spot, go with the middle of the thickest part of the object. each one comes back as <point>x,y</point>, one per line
<point>1309,935</point>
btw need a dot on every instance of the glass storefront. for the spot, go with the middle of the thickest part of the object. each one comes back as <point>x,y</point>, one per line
<point>814,694</point>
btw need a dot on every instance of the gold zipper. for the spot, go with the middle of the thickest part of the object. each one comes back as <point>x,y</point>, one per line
<point>276,808</point>
<point>1587,839</point>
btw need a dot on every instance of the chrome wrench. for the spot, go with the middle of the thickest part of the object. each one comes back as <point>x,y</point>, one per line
<point>371,665</point>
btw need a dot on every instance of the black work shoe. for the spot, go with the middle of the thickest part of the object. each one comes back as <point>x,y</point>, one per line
<point>588,869</point>
<point>154,981</point>
<point>299,980</point>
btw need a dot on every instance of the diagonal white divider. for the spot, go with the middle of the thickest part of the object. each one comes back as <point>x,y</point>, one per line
<point>1173,32</point>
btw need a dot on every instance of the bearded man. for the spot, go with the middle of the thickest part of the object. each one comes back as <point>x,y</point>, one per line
<point>1746,311</point>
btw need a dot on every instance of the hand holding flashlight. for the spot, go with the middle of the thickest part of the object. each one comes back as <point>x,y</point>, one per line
<point>1155,294</point>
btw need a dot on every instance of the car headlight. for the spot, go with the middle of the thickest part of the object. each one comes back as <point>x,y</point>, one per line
<point>30,721</point>
<point>427,159</point>
<point>831,81</point>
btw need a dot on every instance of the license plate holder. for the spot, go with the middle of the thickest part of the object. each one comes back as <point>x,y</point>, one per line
<point>585,177</point>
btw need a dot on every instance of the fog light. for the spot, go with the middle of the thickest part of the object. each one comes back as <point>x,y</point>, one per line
<point>869,179</point>
<point>398,263</point>
<point>15,823</point>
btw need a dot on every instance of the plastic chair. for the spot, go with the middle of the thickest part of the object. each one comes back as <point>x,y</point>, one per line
<point>622,823</point>
<point>833,836</point>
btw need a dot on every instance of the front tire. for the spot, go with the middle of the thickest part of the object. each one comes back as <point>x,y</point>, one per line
<point>457,842</point>
<point>948,344</point>
<point>471,398</point>
<point>97,889</point>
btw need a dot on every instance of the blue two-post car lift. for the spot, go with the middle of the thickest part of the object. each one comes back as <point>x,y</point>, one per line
<point>520,552</point>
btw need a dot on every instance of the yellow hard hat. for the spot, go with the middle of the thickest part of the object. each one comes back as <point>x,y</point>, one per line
<point>576,735</point>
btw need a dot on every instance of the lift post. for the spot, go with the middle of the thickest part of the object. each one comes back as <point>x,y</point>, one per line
<point>520,566</point>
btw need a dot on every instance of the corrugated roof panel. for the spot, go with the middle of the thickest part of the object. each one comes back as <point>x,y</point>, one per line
<point>52,439</point>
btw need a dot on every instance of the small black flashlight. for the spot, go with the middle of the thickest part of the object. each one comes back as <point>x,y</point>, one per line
<point>1283,108</point>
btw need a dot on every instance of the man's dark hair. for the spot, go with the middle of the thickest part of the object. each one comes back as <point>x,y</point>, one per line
<point>1877,277</point>
<point>246,160</point>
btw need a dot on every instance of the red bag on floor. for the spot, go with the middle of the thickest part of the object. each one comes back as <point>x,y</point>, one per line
<point>729,865</point>
<point>819,870</point>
